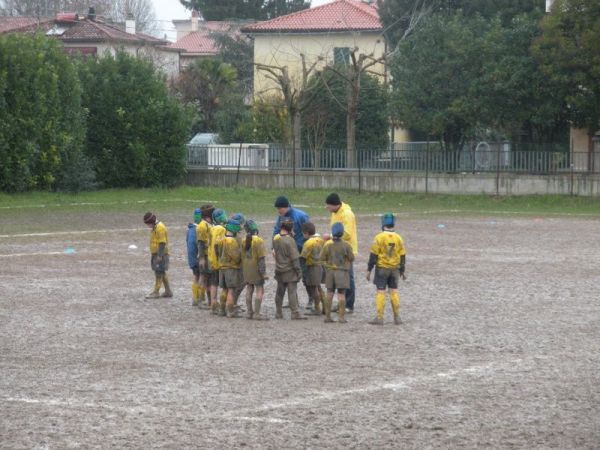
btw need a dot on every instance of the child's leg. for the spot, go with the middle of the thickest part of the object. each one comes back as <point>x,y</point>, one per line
<point>260,293</point>
<point>395,300</point>
<point>214,304</point>
<point>249,293</point>
<point>195,290</point>
<point>341,305</point>
<point>322,298</point>
<point>281,288</point>
<point>328,302</point>
<point>293,300</point>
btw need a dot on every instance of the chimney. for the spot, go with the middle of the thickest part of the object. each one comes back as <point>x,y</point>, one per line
<point>194,20</point>
<point>92,13</point>
<point>130,24</point>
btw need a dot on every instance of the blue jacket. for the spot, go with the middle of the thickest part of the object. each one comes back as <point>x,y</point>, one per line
<point>299,217</point>
<point>192,245</point>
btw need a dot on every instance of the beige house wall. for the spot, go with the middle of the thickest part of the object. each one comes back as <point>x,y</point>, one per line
<point>280,50</point>
<point>165,60</point>
<point>285,50</point>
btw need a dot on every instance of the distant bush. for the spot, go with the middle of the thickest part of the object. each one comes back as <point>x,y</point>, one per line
<point>42,127</point>
<point>136,132</point>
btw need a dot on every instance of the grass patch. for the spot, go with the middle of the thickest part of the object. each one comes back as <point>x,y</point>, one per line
<point>260,202</point>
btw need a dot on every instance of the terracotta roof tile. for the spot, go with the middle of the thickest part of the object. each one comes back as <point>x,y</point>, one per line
<point>340,15</point>
<point>81,30</point>
<point>198,42</point>
<point>8,24</point>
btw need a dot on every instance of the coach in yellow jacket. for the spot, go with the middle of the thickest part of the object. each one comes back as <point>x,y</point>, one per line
<point>342,213</point>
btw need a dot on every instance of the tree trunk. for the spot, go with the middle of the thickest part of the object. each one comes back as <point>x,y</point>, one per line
<point>351,115</point>
<point>297,138</point>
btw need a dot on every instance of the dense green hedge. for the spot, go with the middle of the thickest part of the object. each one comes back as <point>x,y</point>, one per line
<point>67,124</point>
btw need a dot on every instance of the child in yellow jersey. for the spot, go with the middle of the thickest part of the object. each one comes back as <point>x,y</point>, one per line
<point>337,256</point>
<point>309,259</point>
<point>217,233</point>
<point>202,237</point>
<point>388,255</point>
<point>254,269</point>
<point>230,265</point>
<point>159,255</point>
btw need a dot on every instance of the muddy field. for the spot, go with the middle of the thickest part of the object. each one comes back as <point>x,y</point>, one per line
<point>500,345</point>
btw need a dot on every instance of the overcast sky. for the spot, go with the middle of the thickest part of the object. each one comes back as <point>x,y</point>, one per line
<point>167,10</point>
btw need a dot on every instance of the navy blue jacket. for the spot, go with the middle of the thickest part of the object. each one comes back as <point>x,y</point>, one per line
<point>299,217</point>
<point>192,245</point>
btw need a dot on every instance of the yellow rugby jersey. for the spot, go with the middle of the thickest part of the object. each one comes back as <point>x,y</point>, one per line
<point>388,246</point>
<point>158,236</point>
<point>203,232</point>
<point>230,253</point>
<point>346,217</point>
<point>311,250</point>
<point>217,232</point>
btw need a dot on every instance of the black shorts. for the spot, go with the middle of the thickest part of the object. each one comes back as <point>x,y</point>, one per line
<point>386,278</point>
<point>196,271</point>
<point>160,267</point>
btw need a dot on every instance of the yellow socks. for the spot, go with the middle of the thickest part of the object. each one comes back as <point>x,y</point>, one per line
<point>380,304</point>
<point>158,283</point>
<point>395,298</point>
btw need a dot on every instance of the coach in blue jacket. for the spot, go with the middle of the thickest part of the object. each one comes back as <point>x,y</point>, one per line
<point>299,217</point>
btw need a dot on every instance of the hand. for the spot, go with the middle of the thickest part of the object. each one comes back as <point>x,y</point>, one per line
<point>159,259</point>
<point>368,276</point>
<point>265,277</point>
<point>202,265</point>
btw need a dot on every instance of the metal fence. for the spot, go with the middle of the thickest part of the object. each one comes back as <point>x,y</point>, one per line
<point>478,157</point>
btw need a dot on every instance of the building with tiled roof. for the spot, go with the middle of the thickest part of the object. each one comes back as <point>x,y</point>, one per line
<point>89,35</point>
<point>338,16</point>
<point>194,38</point>
<point>325,34</point>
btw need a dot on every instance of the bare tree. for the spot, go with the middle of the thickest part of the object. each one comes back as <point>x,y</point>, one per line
<point>363,63</point>
<point>141,10</point>
<point>296,96</point>
<point>49,8</point>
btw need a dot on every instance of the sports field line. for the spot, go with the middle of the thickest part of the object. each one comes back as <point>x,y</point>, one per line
<point>405,383</point>
<point>248,414</point>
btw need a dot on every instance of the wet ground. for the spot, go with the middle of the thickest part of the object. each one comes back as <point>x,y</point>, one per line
<point>500,345</point>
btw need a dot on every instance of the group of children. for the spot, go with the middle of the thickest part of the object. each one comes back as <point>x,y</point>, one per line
<point>220,256</point>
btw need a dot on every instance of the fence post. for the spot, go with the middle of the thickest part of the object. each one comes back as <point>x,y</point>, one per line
<point>427,166</point>
<point>359,173</point>
<point>571,155</point>
<point>237,175</point>
<point>498,171</point>
<point>294,164</point>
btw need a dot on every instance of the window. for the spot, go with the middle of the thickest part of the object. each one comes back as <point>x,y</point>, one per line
<point>341,56</point>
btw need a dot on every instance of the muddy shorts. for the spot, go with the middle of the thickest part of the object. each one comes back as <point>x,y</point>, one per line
<point>212,277</point>
<point>258,283</point>
<point>386,278</point>
<point>230,278</point>
<point>159,266</point>
<point>313,275</point>
<point>337,279</point>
